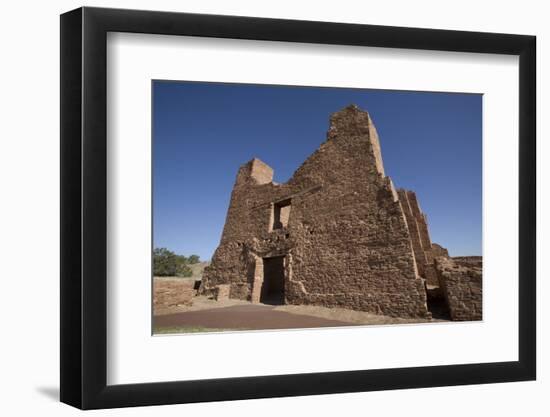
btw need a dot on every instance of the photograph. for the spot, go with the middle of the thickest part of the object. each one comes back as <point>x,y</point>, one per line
<point>268,209</point>
<point>294,207</point>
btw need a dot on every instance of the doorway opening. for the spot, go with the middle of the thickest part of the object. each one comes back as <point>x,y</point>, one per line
<point>273,287</point>
<point>437,304</point>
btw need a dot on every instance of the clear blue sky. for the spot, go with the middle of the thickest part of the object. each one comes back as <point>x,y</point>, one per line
<point>202,132</point>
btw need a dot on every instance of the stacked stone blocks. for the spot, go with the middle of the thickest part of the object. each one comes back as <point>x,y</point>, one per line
<point>348,238</point>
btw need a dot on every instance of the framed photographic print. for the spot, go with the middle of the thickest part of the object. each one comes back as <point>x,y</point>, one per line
<point>257,208</point>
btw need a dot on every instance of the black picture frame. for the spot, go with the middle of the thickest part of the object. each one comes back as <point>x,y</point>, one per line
<point>84,207</point>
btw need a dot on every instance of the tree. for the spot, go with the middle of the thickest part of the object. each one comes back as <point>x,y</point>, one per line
<point>193,259</point>
<point>168,264</point>
<point>165,262</point>
<point>182,269</point>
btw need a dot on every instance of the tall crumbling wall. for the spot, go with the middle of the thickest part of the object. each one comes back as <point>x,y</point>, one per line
<point>346,243</point>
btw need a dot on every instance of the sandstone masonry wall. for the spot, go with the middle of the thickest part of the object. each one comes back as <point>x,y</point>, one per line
<point>171,292</point>
<point>461,284</point>
<point>347,242</point>
<point>476,261</point>
<point>424,250</point>
<point>438,250</point>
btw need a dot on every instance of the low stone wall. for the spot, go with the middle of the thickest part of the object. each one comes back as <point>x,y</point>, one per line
<point>476,261</point>
<point>222,292</point>
<point>438,250</point>
<point>172,292</point>
<point>461,285</point>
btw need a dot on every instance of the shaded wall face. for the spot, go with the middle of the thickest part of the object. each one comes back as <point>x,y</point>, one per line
<point>413,222</point>
<point>461,284</point>
<point>346,239</point>
<point>424,250</point>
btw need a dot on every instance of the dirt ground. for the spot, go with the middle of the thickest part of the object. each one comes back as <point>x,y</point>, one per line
<point>243,317</point>
<point>209,315</point>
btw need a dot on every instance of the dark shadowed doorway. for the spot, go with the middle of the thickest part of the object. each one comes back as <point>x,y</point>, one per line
<point>437,305</point>
<point>273,288</point>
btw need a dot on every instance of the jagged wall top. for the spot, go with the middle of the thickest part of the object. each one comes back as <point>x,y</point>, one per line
<point>256,170</point>
<point>351,121</point>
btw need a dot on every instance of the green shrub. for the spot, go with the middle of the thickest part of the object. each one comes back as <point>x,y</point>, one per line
<point>193,259</point>
<point>182,270</point>
<point>168,264</point>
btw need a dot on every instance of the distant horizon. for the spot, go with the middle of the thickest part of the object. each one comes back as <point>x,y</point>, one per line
<point>203,132</point>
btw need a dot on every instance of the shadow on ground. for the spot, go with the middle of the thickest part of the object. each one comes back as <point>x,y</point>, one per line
<point>50,392</point>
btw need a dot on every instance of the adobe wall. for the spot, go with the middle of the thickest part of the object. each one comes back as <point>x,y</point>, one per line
<point>461,285</point>
<point>347,242</point>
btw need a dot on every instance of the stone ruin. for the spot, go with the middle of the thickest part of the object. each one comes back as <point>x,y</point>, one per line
<point>338,234</point>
